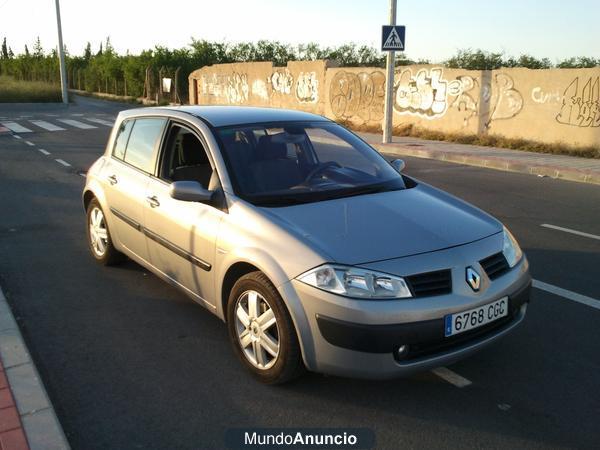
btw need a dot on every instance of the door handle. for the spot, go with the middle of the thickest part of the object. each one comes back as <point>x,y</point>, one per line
<point>113,180</point>
<point>153,201</point>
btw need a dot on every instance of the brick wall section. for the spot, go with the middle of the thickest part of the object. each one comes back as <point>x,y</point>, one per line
<point>12,435</point>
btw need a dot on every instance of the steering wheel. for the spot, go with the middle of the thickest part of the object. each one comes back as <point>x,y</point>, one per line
<point>320,169</point>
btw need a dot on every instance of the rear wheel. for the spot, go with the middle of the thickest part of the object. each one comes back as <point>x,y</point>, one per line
<point>261,330</point>
<point>98,234</point>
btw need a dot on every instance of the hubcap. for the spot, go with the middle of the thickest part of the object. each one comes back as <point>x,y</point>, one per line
<point>98,232</point>
<point>257,330</point>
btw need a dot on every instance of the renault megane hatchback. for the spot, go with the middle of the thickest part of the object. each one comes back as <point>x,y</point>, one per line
<point>316,252</point>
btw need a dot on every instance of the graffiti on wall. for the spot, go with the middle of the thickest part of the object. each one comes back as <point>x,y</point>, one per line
<point>581,104</point>
<point>505,101</point>
<point>281,81</point>
<point>428,95</point>
<point>259,89</point>
<point>307,87</point>
<point>538,95</point>
<point>423,94</point>
<point>232,88</point>
<point>357,95</point>
<point>466,101</point>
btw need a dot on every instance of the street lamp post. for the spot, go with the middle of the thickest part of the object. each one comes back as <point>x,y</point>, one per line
<point>389,84</point>
<point>61,57</point>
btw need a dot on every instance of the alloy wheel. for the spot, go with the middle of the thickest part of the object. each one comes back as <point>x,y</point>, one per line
<point>98,232</point>
<point>257,330</point>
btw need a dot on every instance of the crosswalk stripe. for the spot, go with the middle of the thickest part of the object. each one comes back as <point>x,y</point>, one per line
<point>100,121</point>
<point>14,126</point>
<point>77,124</point>
<point>46,125</point>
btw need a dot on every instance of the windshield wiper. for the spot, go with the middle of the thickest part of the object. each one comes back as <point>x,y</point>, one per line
<point>363,191</point>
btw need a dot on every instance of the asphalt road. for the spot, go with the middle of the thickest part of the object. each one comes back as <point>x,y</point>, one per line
<point>130,362</point>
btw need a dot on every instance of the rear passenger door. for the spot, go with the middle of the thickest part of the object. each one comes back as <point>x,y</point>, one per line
<point>127,176</point>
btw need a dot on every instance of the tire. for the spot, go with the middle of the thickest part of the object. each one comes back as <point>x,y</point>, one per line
<point>252,336</point>
<point>102,248</point>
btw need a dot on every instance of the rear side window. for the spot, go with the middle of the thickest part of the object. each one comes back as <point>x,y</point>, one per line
<point>141,147</point>
<point>121,141</point>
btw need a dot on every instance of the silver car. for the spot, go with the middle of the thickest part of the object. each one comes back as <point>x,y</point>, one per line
<point>316,252</point>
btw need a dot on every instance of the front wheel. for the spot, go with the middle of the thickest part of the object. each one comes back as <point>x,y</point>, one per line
<point>261,330</point>
<point>99,239</point>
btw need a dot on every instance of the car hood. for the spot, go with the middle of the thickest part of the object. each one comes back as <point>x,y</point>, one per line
<point>375,227</point>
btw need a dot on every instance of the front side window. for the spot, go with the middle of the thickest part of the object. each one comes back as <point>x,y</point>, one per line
<point>303,162</point>
<point>184,158</point>
<point>141,146</point>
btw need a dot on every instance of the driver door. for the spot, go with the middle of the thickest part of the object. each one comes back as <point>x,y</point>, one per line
<point>182,235</point>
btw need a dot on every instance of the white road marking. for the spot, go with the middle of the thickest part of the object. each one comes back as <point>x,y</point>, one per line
<point>77,124</point>
<point>43,152</point>
<point>569,230</point>
<point>46,125</point>
<point>17,137</point>
<point>64,163</point>
<point>100,121</point>
<point>15,127</point>
<point>570,295</point>
<point>31,144</point>
<point>451,377</point>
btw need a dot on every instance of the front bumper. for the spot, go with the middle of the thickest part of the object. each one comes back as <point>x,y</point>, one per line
<point>359,338</point>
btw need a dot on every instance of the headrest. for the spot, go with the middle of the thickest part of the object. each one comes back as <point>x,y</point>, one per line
<point>192,151</point>
<point>267,149</point>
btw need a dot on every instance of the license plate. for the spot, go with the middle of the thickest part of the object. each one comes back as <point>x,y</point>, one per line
<point>476,317</point>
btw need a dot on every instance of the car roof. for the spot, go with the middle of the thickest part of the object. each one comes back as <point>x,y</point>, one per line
<point>222,116</point>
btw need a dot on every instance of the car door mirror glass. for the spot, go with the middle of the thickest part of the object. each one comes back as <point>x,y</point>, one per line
<point>399,165</point>
<point>190,191</point>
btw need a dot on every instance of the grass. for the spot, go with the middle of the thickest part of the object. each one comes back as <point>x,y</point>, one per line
<point>486,140</point>
<point>17,91</point>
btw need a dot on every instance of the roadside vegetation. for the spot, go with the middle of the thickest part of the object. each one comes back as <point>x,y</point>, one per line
<point>104,70</point>
<point>21,91</point>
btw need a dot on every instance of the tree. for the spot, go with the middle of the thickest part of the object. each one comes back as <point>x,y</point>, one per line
<point>87,53</point>
<point>11,54</point>
<point>26,51</point>
<point>99,51</point>
<point>4,53</point>
<point>475,60</point>
<point>38,50</point>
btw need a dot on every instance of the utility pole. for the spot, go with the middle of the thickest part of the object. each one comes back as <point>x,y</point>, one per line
<point>61,57</point>
<point>389,84</point>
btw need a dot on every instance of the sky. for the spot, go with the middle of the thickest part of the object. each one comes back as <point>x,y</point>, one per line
<point>435,29</point>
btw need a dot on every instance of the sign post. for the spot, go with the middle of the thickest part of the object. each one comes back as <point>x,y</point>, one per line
<point>392,39</point>
<point>61,57</point>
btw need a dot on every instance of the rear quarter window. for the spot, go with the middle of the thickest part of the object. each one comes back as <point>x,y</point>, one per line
<point>122,137</point>
<point>141,146</point>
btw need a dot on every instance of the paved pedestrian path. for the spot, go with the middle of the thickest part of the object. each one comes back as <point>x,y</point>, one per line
<point>571,168</point>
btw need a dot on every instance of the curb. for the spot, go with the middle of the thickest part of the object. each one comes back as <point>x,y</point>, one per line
<point>498,163</point>
<point>42,428</point>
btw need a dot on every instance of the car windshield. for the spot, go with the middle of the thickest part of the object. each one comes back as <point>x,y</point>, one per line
<point>289,163</point>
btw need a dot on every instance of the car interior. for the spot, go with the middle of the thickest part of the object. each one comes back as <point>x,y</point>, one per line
<point>185,159</point>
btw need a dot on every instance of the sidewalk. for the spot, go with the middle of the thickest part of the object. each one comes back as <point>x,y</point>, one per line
<point>27,418</point>
<point>571,168</point>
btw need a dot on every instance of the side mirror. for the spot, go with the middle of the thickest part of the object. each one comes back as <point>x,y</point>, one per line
<point>399,165</point>
<point>190,191</point>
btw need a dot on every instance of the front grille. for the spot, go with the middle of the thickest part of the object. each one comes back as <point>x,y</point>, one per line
<point>494,265</point>
<point>431,283</point>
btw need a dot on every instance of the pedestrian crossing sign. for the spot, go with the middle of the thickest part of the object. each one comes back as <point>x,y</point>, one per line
<point>392,37</point>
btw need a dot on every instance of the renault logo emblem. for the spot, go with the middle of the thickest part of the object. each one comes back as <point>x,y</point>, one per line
<point>473,279</point>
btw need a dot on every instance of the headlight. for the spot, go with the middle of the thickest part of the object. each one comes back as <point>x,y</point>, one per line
<point>511,250</point>
<point>356,282</point>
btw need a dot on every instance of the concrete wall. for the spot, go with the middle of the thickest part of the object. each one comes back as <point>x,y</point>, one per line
<point>555,105</point>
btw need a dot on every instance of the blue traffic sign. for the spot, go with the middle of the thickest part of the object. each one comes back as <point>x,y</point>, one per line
<point>392,37</point>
